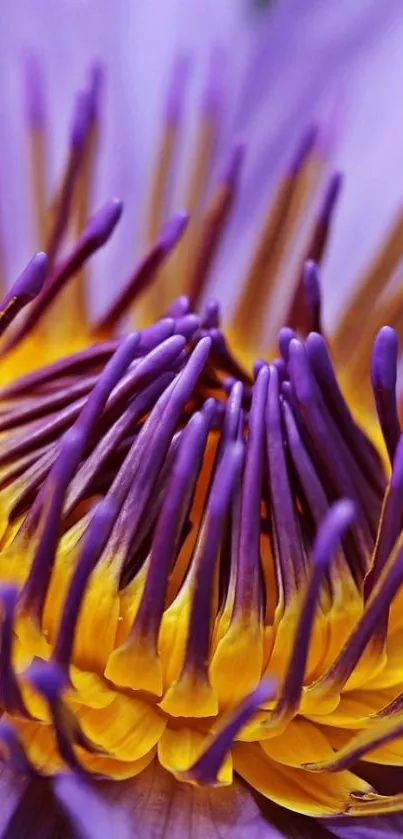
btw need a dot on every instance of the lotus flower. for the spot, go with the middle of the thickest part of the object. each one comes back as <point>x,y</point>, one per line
<point>200,511</point>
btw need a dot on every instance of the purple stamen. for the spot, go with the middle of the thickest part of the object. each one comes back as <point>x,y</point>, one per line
<point>145,273</point>
<point>363,451</point>
<point>322,229</point>
<point>360,745</point>
<point>28,285</point>
<point>34,93</point>
<point>153,335</point>
<point>247,592</point>
<point>312,295</point>
<point>15,756</point>
<point>304,149</point>
<point>98,533</point>
<point>74,365</point>
<point>211,315</point>
<point>373,617</point>
<point>187,326</point>
<point>390,521</point>
<point>180,306</point>
<point>205,770</point>
<point>54,491</point>
<point>169,527</point>
<point>290,561</point>
<point>341,468</point>
<point>154,438</point>
<point>10,695</point>
<point>50,681</point>
<point>337,520</point>
<point>285,336</point>
<point>109,442</point>
<point>383,377</point>
<point>180,76</point>
<point>37,583</point>
<point>214,224</point>
<point>213,92</point>
<point>204,559</point>
<point>94,236</point>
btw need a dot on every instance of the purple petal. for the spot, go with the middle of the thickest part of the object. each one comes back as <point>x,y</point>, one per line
<point>381,827</point>
<point>156,806</point>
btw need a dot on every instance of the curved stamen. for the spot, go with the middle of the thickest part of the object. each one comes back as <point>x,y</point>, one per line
<point>364,452</point>
<point>366,741</point>
<point>247,591</point>
<point>290,560</point>
<point>95,541</point>
<point>10,695</point>
<point>155,438</point>
<point>206,768</point>
<point>390,521</point>
<point>383,377</point>
<point>144,273</point>
<point>28,285</point>
<point>51,681</point>
<point>214,223</point>
<point>72,448</point>
<point>311,291</point>
<point>338,519</point>
<point>143,637</point>
<point>13,752</point>
<point>340,468</point>
<point>373,617</point>
<point>95,234</point>
<point>194,673</point>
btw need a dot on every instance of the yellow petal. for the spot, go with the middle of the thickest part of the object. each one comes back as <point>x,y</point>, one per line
<point>127,729</point>
<point>178,750</point>
<point>319,795</point>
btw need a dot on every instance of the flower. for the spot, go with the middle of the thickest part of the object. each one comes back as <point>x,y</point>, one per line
<point>187,500</point>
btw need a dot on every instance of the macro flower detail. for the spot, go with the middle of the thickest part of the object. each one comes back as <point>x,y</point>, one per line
<point>201,550</point>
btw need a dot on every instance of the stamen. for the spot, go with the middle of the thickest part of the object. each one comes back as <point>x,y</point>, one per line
<point>323,224</point>
<point>367,293</point>
<point>72,448</point>
<point>277,231</point>
<point>381,734</point>
<point>144,274</point>
<point>359,445</point>
<point>390,522</point>
<point>383,377</point>
<point>156,298</point>
<point>36,133</point>
<point>97,536</point>
<point>51,681</point>
<point>90,358</point>
<point>110,441</point>
<point>11,700</point>
<point>156,435</point>
<point>290,561</point>
<point>28,285</point>
<point>373,616</point>
<point>206,138</point>
<point>311,291</point>
<point>142,641</point>
<point>341,468</point>
<point>14,754</point>
<point>247,593</point>
<point>333,527</point>
<point>78,138</point>
<point>214,223</point>
<point>201,578</point>
<point>205,770</point>
<point>94,236</point>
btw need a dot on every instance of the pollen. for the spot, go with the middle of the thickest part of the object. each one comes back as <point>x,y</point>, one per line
<point>201,556</point>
